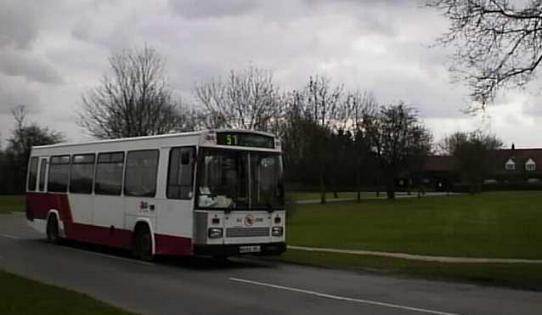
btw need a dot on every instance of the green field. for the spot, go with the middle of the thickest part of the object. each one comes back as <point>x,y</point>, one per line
<point>20,296</point>
<point>499,225</point>
<point>296,196</point>
<point>10,203</point>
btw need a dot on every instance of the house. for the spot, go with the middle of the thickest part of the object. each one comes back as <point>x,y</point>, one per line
<point>517,165</point>
<point>440,172</point>
<point>507,166</point>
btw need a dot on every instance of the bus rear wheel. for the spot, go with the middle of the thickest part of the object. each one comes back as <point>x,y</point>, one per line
<point>53,235</point>
<point>143,244</point>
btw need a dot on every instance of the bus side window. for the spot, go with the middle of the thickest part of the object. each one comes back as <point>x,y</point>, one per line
<point>43,169</point>
<point>180,173</point>
<point>33,174</point>
<point>141,173</point>
<point>109,169</point>
<point>59,173</point>
<point>82,173</point>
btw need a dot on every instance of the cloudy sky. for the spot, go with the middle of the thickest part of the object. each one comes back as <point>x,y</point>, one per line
<point>53,51</point>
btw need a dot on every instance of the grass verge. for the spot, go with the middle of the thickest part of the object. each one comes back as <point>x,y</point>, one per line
<point>9,203</point>
<point>519,276</point>
<point>21,296</point>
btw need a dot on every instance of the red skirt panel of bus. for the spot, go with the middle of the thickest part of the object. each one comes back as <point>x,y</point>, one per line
<point>38,206</point>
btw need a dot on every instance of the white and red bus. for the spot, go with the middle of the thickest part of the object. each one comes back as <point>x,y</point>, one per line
<point>213,193</point>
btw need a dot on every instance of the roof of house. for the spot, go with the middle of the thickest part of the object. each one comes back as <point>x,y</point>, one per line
<point>446,163</point>
<point>518,156</point>
<point>439,163</point>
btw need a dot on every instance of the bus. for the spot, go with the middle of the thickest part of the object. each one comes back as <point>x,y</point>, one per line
<point>213,193</point>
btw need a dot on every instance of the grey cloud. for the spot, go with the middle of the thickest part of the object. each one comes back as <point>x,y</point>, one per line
<point>14,63</point>
<point>81,30</point>
<point>212,8</point>
<point>18,23</point>
<point>14,93</point>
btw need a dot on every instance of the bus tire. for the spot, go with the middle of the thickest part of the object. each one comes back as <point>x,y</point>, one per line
<point>143,243</point>
<point>53,234</point>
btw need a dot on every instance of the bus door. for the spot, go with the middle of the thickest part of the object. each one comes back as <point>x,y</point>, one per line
<point>81,179</point>
<point>176,214</point>
<point>140,187</point>
<point>108,201</point>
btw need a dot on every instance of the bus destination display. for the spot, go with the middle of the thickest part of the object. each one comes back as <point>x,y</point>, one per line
<point>245,140</point>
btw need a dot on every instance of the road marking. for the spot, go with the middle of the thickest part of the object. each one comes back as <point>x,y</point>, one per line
<point>10,236</point>
<point>342,298</point>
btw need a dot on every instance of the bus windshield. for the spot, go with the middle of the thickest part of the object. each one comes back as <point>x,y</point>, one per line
<point>240,180</point>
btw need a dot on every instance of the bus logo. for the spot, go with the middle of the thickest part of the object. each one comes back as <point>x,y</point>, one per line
<point>249,220</point>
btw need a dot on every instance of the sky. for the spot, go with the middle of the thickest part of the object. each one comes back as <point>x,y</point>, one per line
<point>51,52</point>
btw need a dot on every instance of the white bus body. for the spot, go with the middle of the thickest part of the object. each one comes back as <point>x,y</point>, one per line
<point>216,193</point>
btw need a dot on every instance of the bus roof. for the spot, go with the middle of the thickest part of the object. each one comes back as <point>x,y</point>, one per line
<point>163,136</point>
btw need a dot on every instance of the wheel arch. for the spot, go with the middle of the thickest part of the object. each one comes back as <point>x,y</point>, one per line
<point>144,223</point>
<point>56,214</point>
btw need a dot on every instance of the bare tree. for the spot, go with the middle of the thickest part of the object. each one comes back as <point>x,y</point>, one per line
<point>357,110</point>
<point>398,139</point>
<point>25,135</point>
<point>19,144</point>
<point>314,113</point>
<point>323,102</point>
<point>497,43</point>
<point>247,99</point>
<point>134,100</point>
<point>472,152</point>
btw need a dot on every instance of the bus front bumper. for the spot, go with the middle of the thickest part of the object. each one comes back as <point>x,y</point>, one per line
<point>240,249</point>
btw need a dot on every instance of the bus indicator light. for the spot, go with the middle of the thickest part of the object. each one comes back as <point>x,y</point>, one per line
<point>215,233</point>
<point>277,231</point>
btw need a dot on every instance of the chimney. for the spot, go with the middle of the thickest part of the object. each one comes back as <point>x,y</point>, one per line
<point>513,146</point>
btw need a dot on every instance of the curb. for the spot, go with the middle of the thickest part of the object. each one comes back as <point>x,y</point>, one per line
<point>442,259</point>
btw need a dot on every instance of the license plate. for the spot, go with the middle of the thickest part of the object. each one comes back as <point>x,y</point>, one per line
<point>249,249</point>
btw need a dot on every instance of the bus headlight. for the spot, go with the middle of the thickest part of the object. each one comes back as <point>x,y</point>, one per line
<point>277,231</point>
<point>215,232</point>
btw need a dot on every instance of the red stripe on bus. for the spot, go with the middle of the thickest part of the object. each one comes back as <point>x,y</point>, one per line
<point>39,204</point>
<point>173,245</point>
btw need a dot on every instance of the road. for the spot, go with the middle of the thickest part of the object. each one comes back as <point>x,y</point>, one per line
<point>245,286</point>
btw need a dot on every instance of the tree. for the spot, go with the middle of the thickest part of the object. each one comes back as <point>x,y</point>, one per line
<point>497,43</point>
<point>247,99</point>
<point>313,116</point>
<point>19,144</point>
<point>134,100</point>
<point>398,139</point>
<point>472,152</point>
<point>357,110</point>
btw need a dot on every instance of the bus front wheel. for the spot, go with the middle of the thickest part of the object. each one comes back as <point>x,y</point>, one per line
<point>143,243</point>
<point>53,236</point>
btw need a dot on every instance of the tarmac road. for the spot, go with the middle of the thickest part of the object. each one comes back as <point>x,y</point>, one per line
<point>244,286</point>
